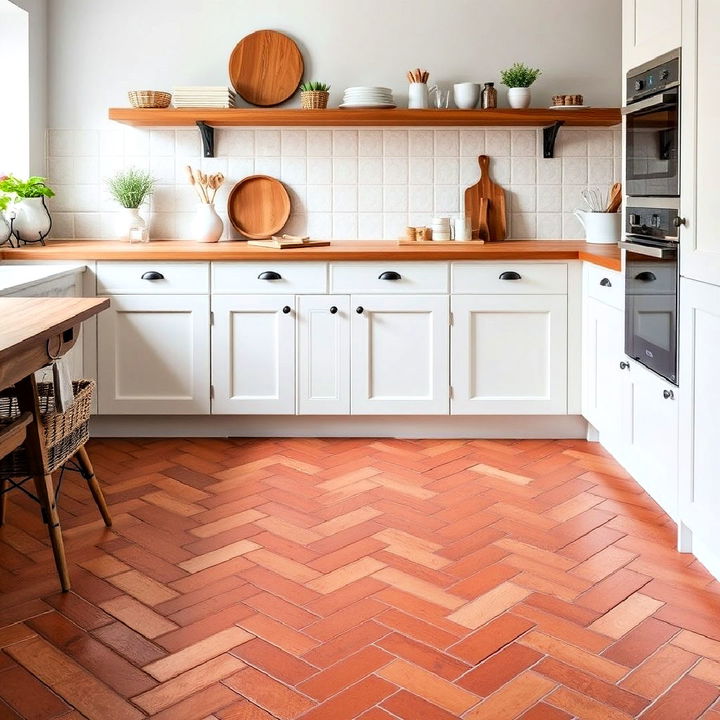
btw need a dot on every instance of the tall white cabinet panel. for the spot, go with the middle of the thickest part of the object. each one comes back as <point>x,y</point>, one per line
<point>700,258</point>
<point>650,28</point>
<point>602,379</point>
<point>323,354</point>
<point>650,432</point>
<point>253,354</point>
<point>509,354</point>
<point>400,354</point>
<point>699,446</point>
<point>154,355</point>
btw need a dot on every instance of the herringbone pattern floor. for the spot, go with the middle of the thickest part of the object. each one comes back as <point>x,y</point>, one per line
<point>338,579</point>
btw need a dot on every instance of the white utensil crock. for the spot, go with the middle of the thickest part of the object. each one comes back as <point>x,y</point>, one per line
<point>466,95</point>
<point>600,228</point>
<point>208,226</point>
<point>462,228</point>
<point>418,96</point>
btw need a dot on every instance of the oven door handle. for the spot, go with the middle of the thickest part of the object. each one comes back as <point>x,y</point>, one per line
<point>663,253</point>
<point>651,102</point>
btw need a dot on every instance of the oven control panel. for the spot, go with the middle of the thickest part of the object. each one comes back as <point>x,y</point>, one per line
<point>652,223</point>
<point>649,80</point>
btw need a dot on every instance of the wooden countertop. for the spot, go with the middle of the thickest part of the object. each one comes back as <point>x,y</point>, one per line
<point>606,255</point>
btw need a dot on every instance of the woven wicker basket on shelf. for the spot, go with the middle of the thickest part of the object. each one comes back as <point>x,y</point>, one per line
<point>149,98</point>
<point>65,432</point>
<point>314,99</point>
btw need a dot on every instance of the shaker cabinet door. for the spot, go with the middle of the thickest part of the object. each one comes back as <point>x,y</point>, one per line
<point>400,354</point>
<point>323,354</point>
<point>649,28</point>
<point>154,355</point>
<point>253,354</point>
<point>509,354</point>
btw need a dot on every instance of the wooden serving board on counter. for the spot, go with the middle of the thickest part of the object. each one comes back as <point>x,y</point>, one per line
<point>402,241</point>
<point>485,205</point>
<point>286,242</point>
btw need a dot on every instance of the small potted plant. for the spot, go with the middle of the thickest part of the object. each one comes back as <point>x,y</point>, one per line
<point>30,219</point>
<point>131,188</point>
<point>314,95</point>
<point>518,79</point>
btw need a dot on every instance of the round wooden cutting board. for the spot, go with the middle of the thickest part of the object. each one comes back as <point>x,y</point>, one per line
<point>266,68</point>
<point>259,206</point>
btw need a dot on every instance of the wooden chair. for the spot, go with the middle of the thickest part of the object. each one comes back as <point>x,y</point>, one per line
<point>11,438</point>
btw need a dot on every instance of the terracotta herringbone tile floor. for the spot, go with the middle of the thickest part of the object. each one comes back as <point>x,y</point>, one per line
<point>338,579</point>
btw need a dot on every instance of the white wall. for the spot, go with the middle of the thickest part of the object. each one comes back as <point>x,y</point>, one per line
<point>100,50</point>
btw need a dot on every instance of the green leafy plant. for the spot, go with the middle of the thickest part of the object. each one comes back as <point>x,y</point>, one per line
<point>4,202</point>
<point>519,76</point>
<point>314,87</point>
<point>131,187</point>
<point>33,187</point>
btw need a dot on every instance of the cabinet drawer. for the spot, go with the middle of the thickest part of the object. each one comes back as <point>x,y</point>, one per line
<point>259,278</point>
<point>607,286</point>
<point>141,278</point>
<point>486,278</point>
<point>389,277</point>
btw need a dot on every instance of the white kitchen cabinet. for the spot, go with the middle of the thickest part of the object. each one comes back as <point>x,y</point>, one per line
<point>700,157</point>
<point>400,355</point>
<point>509,354</point>
<point>650,434</point>
<point>649,28</point>
<point>699,446</point>
<point>154,355</point>
<point>323,354</point>
<point>253,354</point>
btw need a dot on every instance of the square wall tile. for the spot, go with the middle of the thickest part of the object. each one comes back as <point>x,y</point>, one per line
<point>523,143</point>
<point>497,143</point>
<point>319,198</point>
<point>345,143</point>
<point>522,170</point>
<point>395,143</point>
<point>370,225</point>
<point>447,143</point>
<point>345,198</point>
<point>446,170</point>
<point>345,170</point>
<point>267,143</point>
<point>319,143</point>
<point>293,170</point>
<point>575,171</point>
<point>421,143</point>
<point>421,171</point>
<point>472,143</point>
<point>370,198</point>
<point>345,226</point>
<point>235,142</point>
<point>293,143</point>
<point>370,171</point>
<point>370,143</point>
<point>395,198</point>
<point>319,171</point>
<point>395,170</point>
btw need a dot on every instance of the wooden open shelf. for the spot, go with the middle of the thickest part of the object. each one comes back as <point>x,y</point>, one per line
<point>400,117</point>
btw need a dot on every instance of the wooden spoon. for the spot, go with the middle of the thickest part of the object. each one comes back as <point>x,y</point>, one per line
<point>615,199</point>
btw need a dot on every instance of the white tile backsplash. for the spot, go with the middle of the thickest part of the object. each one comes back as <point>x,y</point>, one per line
<point>344,183</point>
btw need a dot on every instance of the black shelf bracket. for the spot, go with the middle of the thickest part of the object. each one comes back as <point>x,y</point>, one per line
<point>207,134</point>
<point>549,137</point>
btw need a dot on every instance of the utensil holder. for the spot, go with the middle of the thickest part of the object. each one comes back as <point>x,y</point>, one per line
<point>418,96</point>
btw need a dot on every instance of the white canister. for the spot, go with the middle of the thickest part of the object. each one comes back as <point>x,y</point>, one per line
<point>466,95</point>
<point>441,229</point>
<point>418,96</point>
<point>462,229</point>
<point>600,228</point>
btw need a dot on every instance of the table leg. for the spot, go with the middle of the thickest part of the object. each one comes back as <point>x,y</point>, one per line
<point>3,500</point>
<point>27,396</point>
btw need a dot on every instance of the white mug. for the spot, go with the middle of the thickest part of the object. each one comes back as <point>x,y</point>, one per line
<point>466,95</point>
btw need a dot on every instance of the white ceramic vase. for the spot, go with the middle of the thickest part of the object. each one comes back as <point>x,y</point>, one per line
<point>208,226</point>
<point>4,229</point>
<point>128,219</point>
<point>32,220</point>
<point>519,97</point>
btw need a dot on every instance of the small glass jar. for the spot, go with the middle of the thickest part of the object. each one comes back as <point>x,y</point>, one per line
<point>489,96</point>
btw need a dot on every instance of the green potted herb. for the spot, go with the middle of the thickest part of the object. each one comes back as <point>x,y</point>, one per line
<point>314,95</point>
<point>131,188</point>
<point>31,220</point>
<point>518,79</point>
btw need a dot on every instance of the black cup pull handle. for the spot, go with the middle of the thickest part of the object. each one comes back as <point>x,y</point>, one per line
<point>646,276</point>
<point>359,309</point>
<point>152,275</point>
<point>269,275</point>
<point>333,310</point>
<point>389,275</point>
<point>510,275</point>
<point>605,282</point>
<point>668,394</point>
<point>287,309</point>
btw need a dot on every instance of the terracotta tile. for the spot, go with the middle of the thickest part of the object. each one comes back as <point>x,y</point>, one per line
<point>613,590</point>
<point>276,698</point>
<point>416,628</point>
<point>139,617</point>
<point>328,604</point>
<point>411,707</point>
<point>227,523</point>
<point>276,633</point>
<point>533,553</point>
<point>708,671</point>
<point>588,545</point>
<point>81,612</point>
<point>243,710</point>
<point>345,575</point>
<point>698,644</point>
<point>210,700</point>
<point>263,579</point>
<point>640,642</point>
<point>193,597</point>
<point>28,696</point>
<point>512,699</point>
<point>484,581</point>
<point>281,610</point>
<point>584,707</point>
<point>218,556</point>
<point>423,656</point>
<point>208,648</point>
<point>659,671</point>
<point>345,619</point>
<point>274,661</point>
<point>128,643</point>
<point>587,684</point>
<point>490,605</point>
<point>502,667</point>
<point>604,563</point>
<point>541,711</point>
<point>428,686</point>
<point>489,639</point>
<point>105,565</point>
<point>690,620</point>
<point>345,673</point>
<point>420,588</point>
<point>626,615</point>
<point>343,645</point>
<point>346,555</point>
<point>686,700</point>
<point>143,588</point>
<point>349,704</point>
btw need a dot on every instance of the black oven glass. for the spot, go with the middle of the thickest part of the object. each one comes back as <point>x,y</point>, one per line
<point>651,291</point>
<point>652,135</point>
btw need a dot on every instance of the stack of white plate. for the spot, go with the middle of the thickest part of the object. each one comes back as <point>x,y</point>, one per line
<point>203,96</point>
<point>368,97</point>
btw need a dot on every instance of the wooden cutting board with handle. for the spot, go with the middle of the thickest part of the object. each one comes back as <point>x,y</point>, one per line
<point>487,219</point>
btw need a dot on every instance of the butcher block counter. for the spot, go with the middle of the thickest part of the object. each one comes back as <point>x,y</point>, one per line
<point>59,250</point>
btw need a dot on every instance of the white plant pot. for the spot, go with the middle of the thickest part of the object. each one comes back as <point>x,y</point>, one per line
<point>519,97</point>
<point>207,226</point>
<point>127,220</point>
<point>4,229</point>
<point>32,220</point>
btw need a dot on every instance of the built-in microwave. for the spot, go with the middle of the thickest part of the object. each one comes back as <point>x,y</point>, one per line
<point>652,130</point>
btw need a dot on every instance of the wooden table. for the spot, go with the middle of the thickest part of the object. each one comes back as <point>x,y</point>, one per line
<point>32,332</point>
